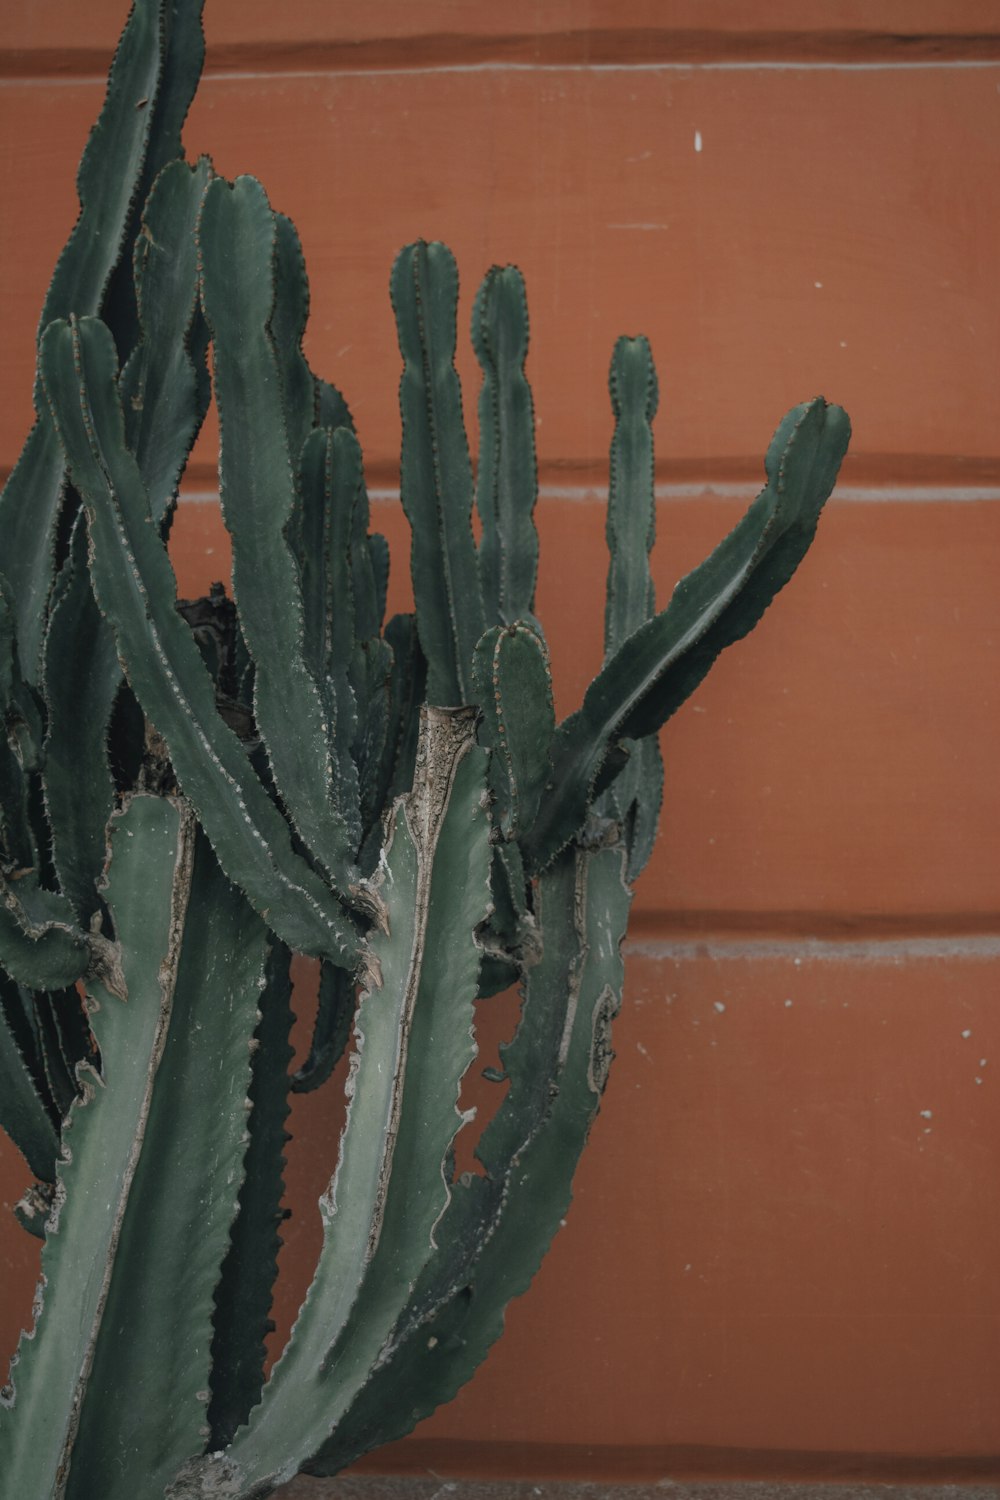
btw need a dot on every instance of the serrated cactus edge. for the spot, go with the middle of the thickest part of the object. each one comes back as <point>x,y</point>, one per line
<point>193,791</point>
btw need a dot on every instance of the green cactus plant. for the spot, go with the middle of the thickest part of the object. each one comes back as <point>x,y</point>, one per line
<point>191,791</point>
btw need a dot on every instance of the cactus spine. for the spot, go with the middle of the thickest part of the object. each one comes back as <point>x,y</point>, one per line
<point>191,791</point>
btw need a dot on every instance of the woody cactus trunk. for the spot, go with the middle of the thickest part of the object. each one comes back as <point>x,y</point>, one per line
<point>192,791</point>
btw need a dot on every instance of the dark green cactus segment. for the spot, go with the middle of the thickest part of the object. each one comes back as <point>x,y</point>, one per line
<point>332,1031</point>
<point>407,691</point>
<point>369,568</point>
<point>378,553</point>
<point>236,239</point>
<point>50,1370</point>
<point>22,1021</point>
<point>634,798</point>
<point>370,676</point>
<point>631,522</point>
<point>662,663</point>
<point>288,317</point>
<point>29,509</point>
<point>330,487</point>
<point>331,409</point>
<point>497,1228</point>
<point>182,47</point>
<point>511,939</point>
<point>136,130</point>
<point>20,741</point>
<point>308,401</point>
<point>390,1190</point>
<point>391,774</point>
<point>634,801</point>
<point>40,943</point>
<point>25,1112</point>
<point>164,384</point>
<point>59,1077</point>
<point>183,1198</point>
<point>342,593</point>
<point>66,1041</point>
<point>82,676</point>
<point>18,850</point>
<point>243,1296</point>
<point>507,481</point>
<point>135,586</point>
<point>312,527</point>
<point>111,168</point>
<point>22,719</point>
<point>435,471</point>
<point>513,686</point>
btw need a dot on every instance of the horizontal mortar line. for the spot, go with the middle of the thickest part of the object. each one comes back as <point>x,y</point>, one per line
<point>720,65</point>
<point>594,494</point>
<point>984,948</point>
<point>217,74</point>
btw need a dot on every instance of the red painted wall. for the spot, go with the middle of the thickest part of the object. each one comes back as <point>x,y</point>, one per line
<point>783,1255</point>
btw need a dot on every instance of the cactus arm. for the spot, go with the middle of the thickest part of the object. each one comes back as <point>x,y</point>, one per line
<point>182,43</point>
<point>308,402</point>
<point>81,679</point>
<point>20,735</point>
<point>243,1296</point>
<point>18,848</point>
<point>25,1111</point>
<point>662,663</point>
<point>152,81</point>
<point>513,686</point>
<point>164,383</point>
<point>636,794</point>
<point>164,395</point>
<point>435,472</point>
<point>19,709</point>
<point>378,551</point>
<point>407,691</point>
<point>414,1035</point>
<point>507,481</point>
<point>236,237</point>
<point>332,1031</point>
<point>144,1408</point>
<point>134,126</point>
<point>59,1081</point>
<point>22,1018</point>
<point>631,520</point>
<point>49,1373</point>
<point>40,944</point>
<point>392,776</point>
<point>324,569</point>
<point>498,1227</point>
<point>287,323</point>
<point>370,675</point>
<point>511,939</point>
<point>331,410</point>
<point>65,1039</point>
<point>29,508</point>
<point>135,587</point>
<point>329,484</point>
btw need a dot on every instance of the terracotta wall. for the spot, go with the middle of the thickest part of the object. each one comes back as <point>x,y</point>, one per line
<point>784,1254</point>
